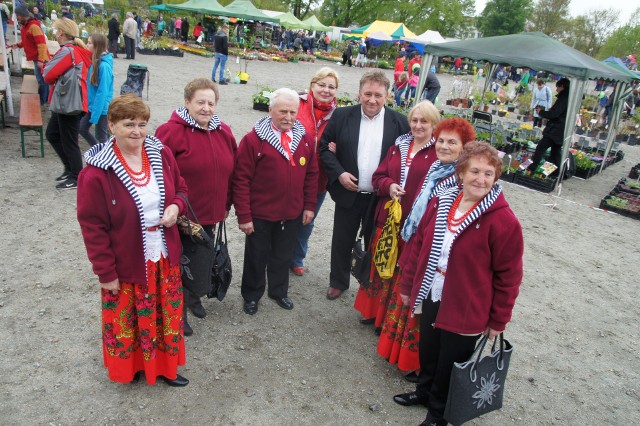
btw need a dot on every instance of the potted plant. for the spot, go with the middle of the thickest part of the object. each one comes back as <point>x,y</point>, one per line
<point>261,99</point>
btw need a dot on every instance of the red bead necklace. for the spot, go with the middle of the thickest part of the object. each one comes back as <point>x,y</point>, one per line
<point>140,178</point>
<point>452,222</point>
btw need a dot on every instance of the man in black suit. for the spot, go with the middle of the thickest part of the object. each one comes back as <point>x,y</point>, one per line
<point>362,135</point>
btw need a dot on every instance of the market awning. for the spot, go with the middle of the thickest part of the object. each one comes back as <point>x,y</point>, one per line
<point>289,20</point>
<point>163,7</point>
<point>617,63</point>
<point>211,7</point>
<point>246,10</point>
<point>314,24</point>
<point>392,29</point>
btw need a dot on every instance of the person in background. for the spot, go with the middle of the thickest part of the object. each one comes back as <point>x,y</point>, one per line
<point>205,151</point>
<point>5,16</point>
<point>114,34</point>
<point>431,87</point>
<point>362,135</point>
<point>361,59</point>
<point>34,43</point>
<point>197,32</point>
<point>457,65</point>
<point>66,12</point>
<point>139,26</point>
<point>275,186</point>
<point>130,32</point>
<point>184,30</point>
<point>401,86</point>
<point>553,133</point>
<point>399,67</point>
<point>178,27</point>
<point>221,46</point>
<point>463,274</point>
<point>412,86</point>
<point>327,42</point>
<point>540,97</point>
<point>147,27</point>
<point>162,25</point>
<point>314,113</point>
<point>128,204</point>
<point>416,59</point>
<point>63,129</point>
<point>37,14</point>
<point>100,90</point>
<point>347,54</point>
<point>523,84</point>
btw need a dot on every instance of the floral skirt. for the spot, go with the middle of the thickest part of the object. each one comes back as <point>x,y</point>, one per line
<point>142,327</point>
<point>400,335</point>
<point>372,302</point>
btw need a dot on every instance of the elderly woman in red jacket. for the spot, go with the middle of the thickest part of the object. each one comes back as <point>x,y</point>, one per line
<point>463,274</point>
<point>316,109</point>
<point>274,192</point>
<point>128,205</point>
<point>205,150</point>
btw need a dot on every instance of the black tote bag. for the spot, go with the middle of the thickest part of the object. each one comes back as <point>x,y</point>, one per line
<point>477,385</point>
<point>221,271</point>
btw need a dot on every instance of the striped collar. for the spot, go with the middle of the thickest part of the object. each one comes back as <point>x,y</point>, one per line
<point>183,113</point>
<point>403,142</point>
<point>265,132</point>
<point>445,202</point>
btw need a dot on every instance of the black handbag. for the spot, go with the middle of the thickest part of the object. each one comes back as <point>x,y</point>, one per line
<point>196,261</point>
<point>221,271</point>
<point>477,385</point>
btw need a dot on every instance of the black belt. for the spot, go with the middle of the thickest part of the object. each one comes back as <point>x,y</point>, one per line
<point>366,193</point>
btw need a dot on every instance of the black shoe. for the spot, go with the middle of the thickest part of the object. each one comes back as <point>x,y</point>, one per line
<point>179,381</point>
<point>198,310</point>
<point>284,303</point>
<point>214,81</point>
<point>377,331</point>
<point>223,82</point>
<point>136,377</point>
<point>411,377</point>
<point>250,307</point>
<point>409,399</point>
<point>432,421</point>
<point>64,176</point>
<point>68,183</point>
<point>188,331</point>
<point>365,321</point>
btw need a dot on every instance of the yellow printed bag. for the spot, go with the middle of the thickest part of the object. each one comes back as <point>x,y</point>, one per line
<point>386,252</point>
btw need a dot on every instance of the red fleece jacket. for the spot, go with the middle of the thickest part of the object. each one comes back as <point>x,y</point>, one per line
<point>484,270</point>
<point>206,159</point>
<point>111,225</point>
<point>266,186</point>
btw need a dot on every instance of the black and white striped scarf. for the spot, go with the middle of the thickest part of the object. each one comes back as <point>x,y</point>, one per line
<point>403,142</point>
<point>265,132</point>
<point>446,201</point>
<point>183,113</point>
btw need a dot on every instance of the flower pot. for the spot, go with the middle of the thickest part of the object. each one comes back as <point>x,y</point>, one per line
<point>579,131</point>
<point>449,102</point>
<point>501,113</point>
<point>261,107</point>
<point>485,108</point>
<point>511,109</point>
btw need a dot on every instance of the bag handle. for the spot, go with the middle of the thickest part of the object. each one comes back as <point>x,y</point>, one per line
<point>367,217</point>
<point>205,236</point>
<point>477,353</point>
<point>222,228</point>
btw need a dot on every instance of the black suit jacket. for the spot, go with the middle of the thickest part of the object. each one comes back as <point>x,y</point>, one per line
<point>344,129</point>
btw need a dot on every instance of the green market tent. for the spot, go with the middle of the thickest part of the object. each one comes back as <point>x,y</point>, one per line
<point>244,9</point>
<point>312,23</point>
<point>163,7</point>
<point>289,20</point>
<point>211,7</point>
<point>539,52</point>
<point>619,65</point>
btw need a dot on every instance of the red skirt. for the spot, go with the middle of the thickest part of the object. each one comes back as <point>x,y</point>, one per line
<point>142,327</point>
<point>400,335</point>
<point>372,302</point>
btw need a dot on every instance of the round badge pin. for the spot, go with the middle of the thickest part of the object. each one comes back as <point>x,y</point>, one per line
<point>303,161</point>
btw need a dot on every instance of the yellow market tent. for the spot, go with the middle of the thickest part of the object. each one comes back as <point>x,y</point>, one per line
<point>392,29</point>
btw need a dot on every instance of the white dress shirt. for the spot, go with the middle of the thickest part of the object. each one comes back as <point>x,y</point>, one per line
<point>369,149</point>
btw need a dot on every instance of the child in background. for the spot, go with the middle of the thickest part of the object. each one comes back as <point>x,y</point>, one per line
<point>413,84</point>
<point>401,86</point>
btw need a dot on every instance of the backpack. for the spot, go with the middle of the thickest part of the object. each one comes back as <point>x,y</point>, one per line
<point>346,50</point>
<point>363,49</point>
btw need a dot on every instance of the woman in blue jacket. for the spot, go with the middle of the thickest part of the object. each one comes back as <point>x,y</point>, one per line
<point>100,90</point>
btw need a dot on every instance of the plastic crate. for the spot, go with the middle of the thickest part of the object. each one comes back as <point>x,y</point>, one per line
<point>543,185</point>
<point>620,211</point>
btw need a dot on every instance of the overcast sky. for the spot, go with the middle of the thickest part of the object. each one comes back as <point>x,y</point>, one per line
<point>580,7</point>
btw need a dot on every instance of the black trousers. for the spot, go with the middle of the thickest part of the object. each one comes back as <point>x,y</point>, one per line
<point>113,47</point>
<point>346,223</point>
<point>269,248</point>
<point>130,47</point>
<point>544,144</point>
<point>62,133</point>
<point>438,350</point>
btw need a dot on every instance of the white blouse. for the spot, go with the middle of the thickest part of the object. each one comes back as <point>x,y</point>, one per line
<point>150,199</point>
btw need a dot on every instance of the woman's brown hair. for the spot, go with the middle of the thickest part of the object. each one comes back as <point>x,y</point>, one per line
<point>99,42</point>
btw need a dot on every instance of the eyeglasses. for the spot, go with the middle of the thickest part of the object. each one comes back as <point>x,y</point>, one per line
<point>326,86</point>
